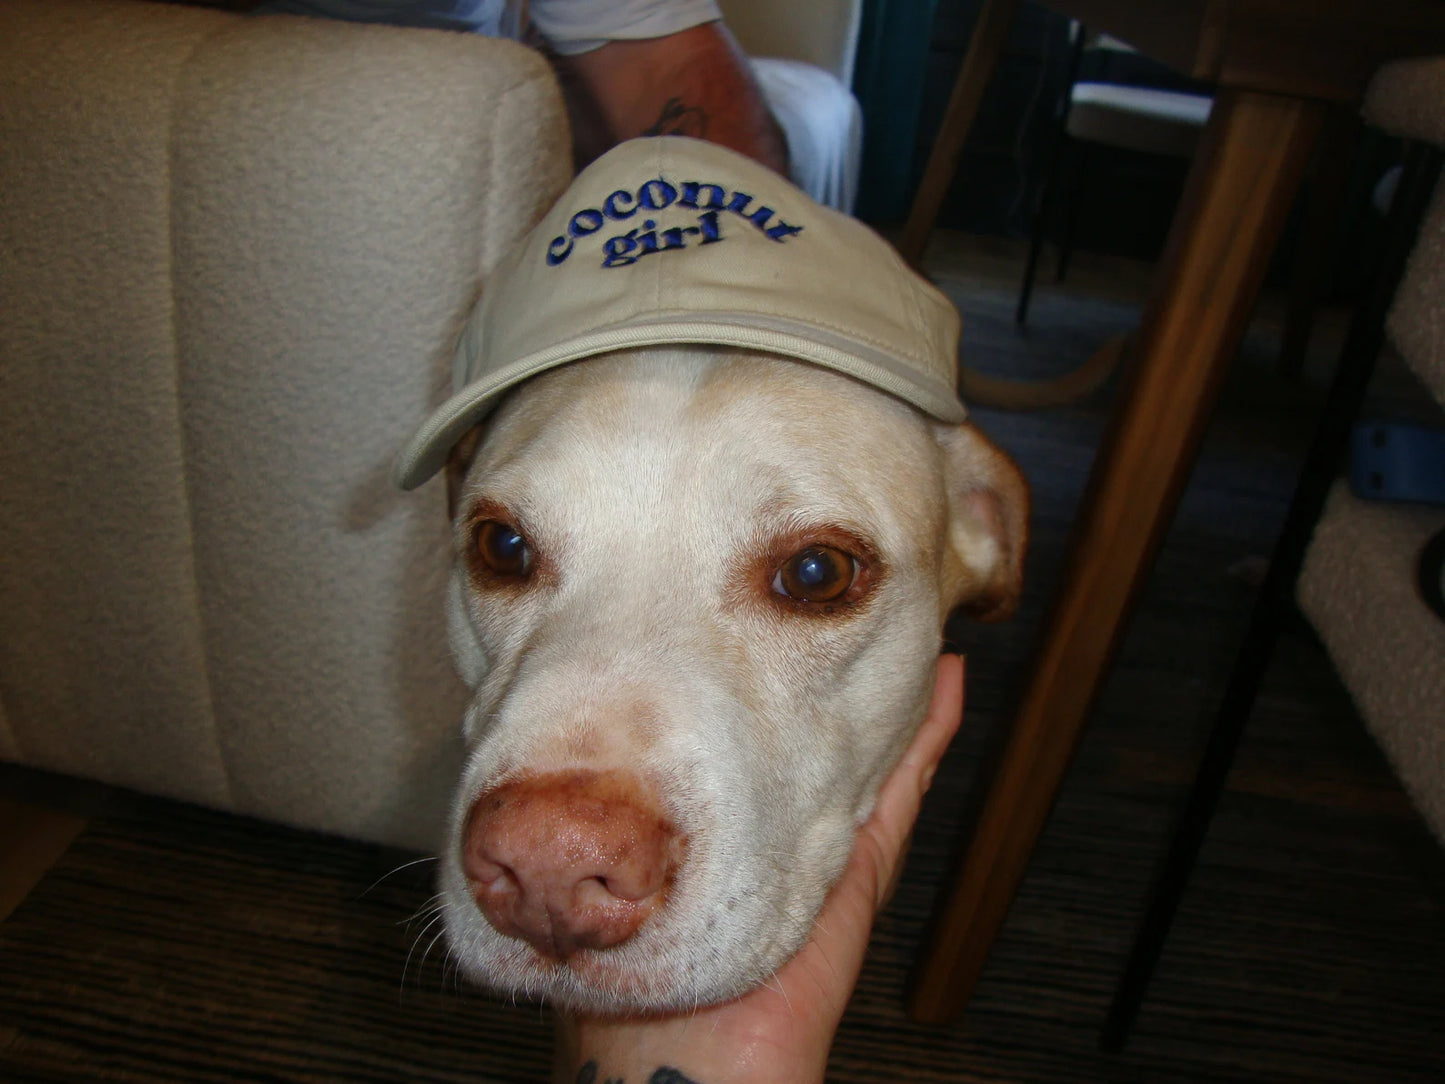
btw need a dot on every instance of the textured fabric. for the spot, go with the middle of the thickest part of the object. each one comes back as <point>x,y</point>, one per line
<point>674,240</point>
<point>238,254</point>
<point>1358,584</point>
<point>9,747</point>
<point>1417,317</point>
<point>101,646</point>
<point>1358,590</point>
<point>1407,99</point>
<point>487,17</point>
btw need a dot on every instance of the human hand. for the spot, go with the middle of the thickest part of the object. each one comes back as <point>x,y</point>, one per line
<point>781,1031</point>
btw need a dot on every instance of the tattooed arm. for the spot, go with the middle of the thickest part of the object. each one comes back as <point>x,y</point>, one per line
<point>696,82</point>
<point>780,1033</point>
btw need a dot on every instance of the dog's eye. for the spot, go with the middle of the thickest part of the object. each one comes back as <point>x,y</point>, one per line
<point>816,574</point>
<point>503,549</point>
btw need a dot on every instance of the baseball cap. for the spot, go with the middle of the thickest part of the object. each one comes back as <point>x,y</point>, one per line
<point>671,240</point>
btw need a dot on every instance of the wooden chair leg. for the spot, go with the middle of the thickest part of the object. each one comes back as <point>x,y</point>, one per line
<point>977,69</point>
<point>1241,183</point>
<point>1275,600</point>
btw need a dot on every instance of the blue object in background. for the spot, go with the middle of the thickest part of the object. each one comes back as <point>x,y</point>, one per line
<point>1398,461</point>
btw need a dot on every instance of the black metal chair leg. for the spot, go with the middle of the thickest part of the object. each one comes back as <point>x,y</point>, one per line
<point>1273,604</point>
<point>1045,209</point>
<point>1036,239</point>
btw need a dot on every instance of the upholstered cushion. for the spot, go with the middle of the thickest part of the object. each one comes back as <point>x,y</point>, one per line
<point>1358,590</point>
<point>237,252</point>
<point>1417,317</point>
<point>1407,98</point>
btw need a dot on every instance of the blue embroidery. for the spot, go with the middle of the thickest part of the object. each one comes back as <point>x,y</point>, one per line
<point>717,196</point>
<point>645,197</point>
<point>585,222</point>
<point>582,223</point>
<point>656,195</point>
<point>610,208</point>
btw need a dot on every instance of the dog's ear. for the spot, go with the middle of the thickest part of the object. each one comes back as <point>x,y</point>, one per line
<point>459,461</point>
<point>988,508</point>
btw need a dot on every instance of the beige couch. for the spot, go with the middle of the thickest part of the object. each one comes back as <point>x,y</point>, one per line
<point>234,253</point>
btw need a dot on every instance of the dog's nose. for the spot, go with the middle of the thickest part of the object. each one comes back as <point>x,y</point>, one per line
<point>570,860</point>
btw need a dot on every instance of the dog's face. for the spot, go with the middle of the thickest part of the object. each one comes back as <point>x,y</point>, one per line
<point>698,594</point>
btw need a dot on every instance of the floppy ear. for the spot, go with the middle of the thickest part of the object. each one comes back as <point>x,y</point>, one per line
<point>988,509</point>
<point>459,461</point>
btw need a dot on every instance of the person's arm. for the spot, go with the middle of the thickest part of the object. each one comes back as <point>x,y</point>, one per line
<point>781,1032</point>
<point>696,82</point>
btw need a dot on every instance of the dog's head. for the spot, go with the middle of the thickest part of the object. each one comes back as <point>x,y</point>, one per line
<point>698,593</point>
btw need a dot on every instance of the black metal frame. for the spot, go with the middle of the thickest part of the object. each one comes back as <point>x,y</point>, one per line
<point>1045,209</point>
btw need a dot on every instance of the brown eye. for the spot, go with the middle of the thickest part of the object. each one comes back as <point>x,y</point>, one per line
<point>816,574</point>
<point>503,549</point>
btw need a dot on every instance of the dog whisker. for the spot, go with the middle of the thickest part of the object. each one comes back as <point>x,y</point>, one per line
<point>406,967</point>
<point>432,907</point>
<point>392,873</point>
<point>421,965</point>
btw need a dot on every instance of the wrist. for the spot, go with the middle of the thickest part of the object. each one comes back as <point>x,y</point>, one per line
<point>692,1049</point>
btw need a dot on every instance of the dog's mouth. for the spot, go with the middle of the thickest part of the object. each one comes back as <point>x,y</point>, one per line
<point>597,981</point>
<point>664,977</point>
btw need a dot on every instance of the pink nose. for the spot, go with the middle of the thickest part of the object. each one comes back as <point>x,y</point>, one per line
<point>570,860</point>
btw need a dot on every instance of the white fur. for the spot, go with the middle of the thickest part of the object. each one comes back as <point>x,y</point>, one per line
<point>652,483</point>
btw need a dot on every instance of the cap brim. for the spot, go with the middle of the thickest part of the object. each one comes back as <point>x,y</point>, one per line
<point>427,450</point>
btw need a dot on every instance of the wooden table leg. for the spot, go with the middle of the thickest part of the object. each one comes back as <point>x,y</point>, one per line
<point>1244,176</point>
<point>974,74</point>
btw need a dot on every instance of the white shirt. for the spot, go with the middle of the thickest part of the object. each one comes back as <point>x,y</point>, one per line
<point>570,26</point>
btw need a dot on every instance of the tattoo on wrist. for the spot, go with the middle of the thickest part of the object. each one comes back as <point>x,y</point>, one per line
<point>679,118</point>
<point>663,1074</point>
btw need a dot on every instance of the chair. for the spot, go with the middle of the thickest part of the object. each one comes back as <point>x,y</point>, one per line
<point>236,254</point>
<point>1358,585</point>
<point>1133,118</point>
<point>1352,562</point>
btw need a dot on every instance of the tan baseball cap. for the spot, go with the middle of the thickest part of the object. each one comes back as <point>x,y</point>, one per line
<point>674,240</point>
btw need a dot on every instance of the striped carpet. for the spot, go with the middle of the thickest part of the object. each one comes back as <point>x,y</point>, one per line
<point>175,944</point>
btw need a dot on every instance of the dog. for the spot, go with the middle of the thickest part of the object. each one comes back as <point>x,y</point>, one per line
<point>709,517</point>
